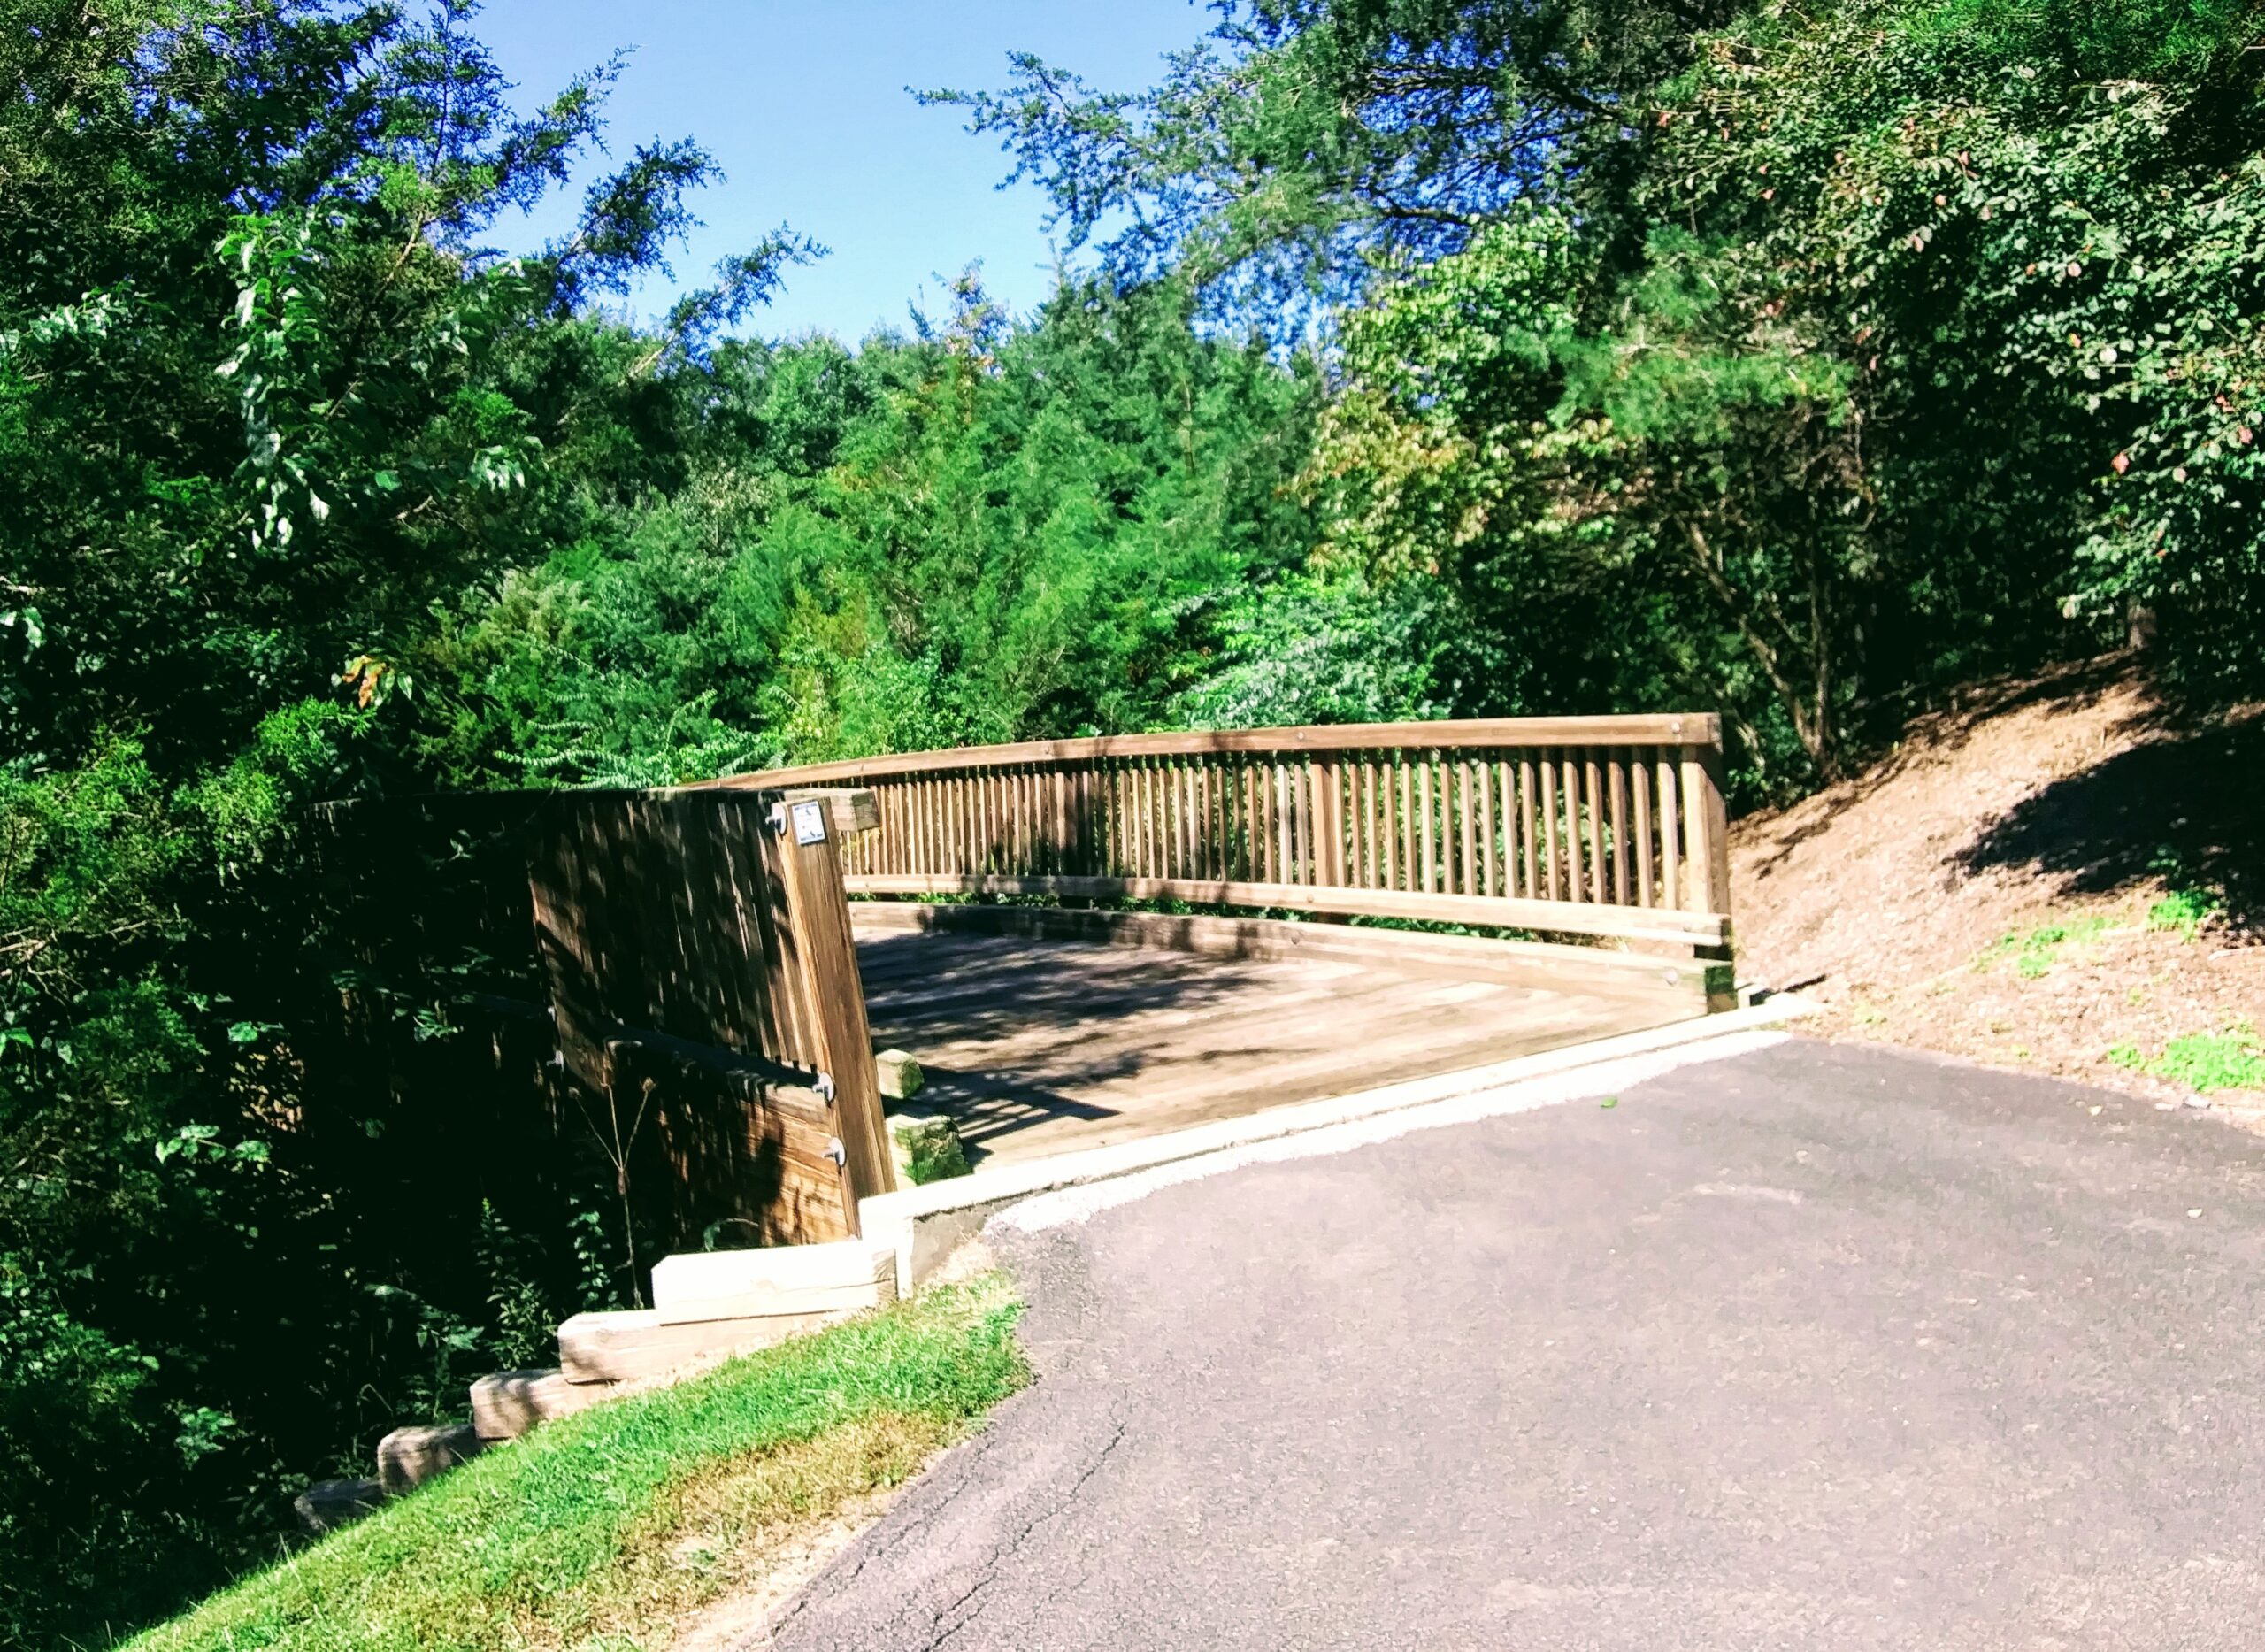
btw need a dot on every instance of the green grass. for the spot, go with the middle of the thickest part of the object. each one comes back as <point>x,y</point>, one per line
<point>2184,911</point>
<point>2204,1061</point>
<point>604,1529</point>
<point>2035,951</point>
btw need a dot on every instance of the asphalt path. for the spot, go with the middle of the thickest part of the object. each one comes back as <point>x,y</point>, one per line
<point>1820,1347</point>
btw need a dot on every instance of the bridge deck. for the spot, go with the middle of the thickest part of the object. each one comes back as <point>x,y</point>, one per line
<point>1044,1045</point>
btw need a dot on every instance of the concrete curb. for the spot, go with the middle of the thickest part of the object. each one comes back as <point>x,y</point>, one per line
<point>926,1224</point>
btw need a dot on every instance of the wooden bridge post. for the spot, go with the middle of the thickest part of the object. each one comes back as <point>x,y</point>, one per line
<point>1707,819</point>
<point>821,952</point>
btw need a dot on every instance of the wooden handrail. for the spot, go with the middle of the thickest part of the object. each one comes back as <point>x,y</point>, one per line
<point>1611,826</point>
<point>1668,729</point>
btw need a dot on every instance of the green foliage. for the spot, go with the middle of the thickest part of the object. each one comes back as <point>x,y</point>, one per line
<point>264,402</point>
<point>1795,362</point>
<point>986,531</point>
<point>2229,1059</point>
<point>2034,951</point>
<point>2184,912</point>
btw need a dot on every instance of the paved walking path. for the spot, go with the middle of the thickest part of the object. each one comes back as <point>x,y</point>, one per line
<point>1821,1347</point>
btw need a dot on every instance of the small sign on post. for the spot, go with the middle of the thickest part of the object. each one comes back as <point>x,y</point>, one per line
<point>809,823</point>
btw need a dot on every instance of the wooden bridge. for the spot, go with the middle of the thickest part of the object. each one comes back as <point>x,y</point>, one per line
<point>1082,941</point>
<point>1048,1028</point>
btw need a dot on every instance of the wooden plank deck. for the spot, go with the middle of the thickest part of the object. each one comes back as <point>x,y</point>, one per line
<point>1045,1044</point>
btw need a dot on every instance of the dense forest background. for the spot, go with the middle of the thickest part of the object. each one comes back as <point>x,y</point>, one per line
<point>1420,357</point>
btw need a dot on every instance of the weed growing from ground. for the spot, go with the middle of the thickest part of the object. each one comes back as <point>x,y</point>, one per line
<point>2035,951</point>
<point>2184,912</point>
<point>2228,1060</point>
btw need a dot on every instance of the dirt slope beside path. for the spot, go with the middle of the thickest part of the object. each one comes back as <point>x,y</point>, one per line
<point>2056,875</point>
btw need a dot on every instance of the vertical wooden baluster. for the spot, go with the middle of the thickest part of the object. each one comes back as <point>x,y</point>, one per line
<point>1172,774</point>
<point>1549,861</point>
<point>1221,775</point>
<point>1465,806</point>
<point>1425,825</point>
<point>1008,825</point>
<point>1159,818</point>
<point>1403,825</point>
<point>1136,835</point>
<point>1301,778</point>
<point>1206,804</point>
<point>1276,822</point>
<point>1183,797</point>
<point>1569,792</point>
<point>1010,820</point>
<point>971,820</point>
<point>1639,776</point>
<point>1442,821</point>
<point>1000,795</point>
<point>1248,857</point>
<point>1199,815</point>
<point>978,855</point>
<point>1486,882</point>
<point>1167,816</point>
<point>1514,827</point>
<point>1093,828</point>
<point>1199,810</point>
<point>1128,812</point>
<point>1120,820</point>
<point>1031,833</point>
<point>985,842</point>
<point>1025,821</point>
<point>1529,830</point>
<point>1672,879</point>
<point>1364,826</point>
<point>1616,779</point>
<point>1592,783</point>
<point>1167,775</point>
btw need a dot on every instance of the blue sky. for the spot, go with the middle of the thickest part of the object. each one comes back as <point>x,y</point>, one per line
<point>804,106</point>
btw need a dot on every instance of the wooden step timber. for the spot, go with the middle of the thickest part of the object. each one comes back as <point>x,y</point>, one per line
<point>771,1282</point>
<point>1617,923</point>
<point>628,1347</point>
<point>408,1458</point>
<point>507,1403</point>
<point>1514,732</point>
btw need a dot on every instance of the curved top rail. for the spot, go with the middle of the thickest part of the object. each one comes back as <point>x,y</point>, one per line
<point>1682,728</point>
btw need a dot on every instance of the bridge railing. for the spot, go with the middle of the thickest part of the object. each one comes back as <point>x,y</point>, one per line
<point>1604,826</point>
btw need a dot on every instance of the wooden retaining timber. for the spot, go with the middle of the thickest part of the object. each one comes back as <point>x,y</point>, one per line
<point>1611,826</point>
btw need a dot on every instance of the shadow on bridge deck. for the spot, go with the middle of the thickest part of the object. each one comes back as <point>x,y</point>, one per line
<point>1044,1045</point>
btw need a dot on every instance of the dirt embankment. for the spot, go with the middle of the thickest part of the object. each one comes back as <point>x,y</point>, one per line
<point>2056,875</point>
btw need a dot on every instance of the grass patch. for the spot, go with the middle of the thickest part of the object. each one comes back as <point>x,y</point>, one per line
<point>2184,912</point>
<point>2035,951</point>
<point>606,1528</point>
<point>2203,1062</point>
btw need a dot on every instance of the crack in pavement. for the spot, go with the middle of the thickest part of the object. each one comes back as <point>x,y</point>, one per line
<point>1002,1552</point>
